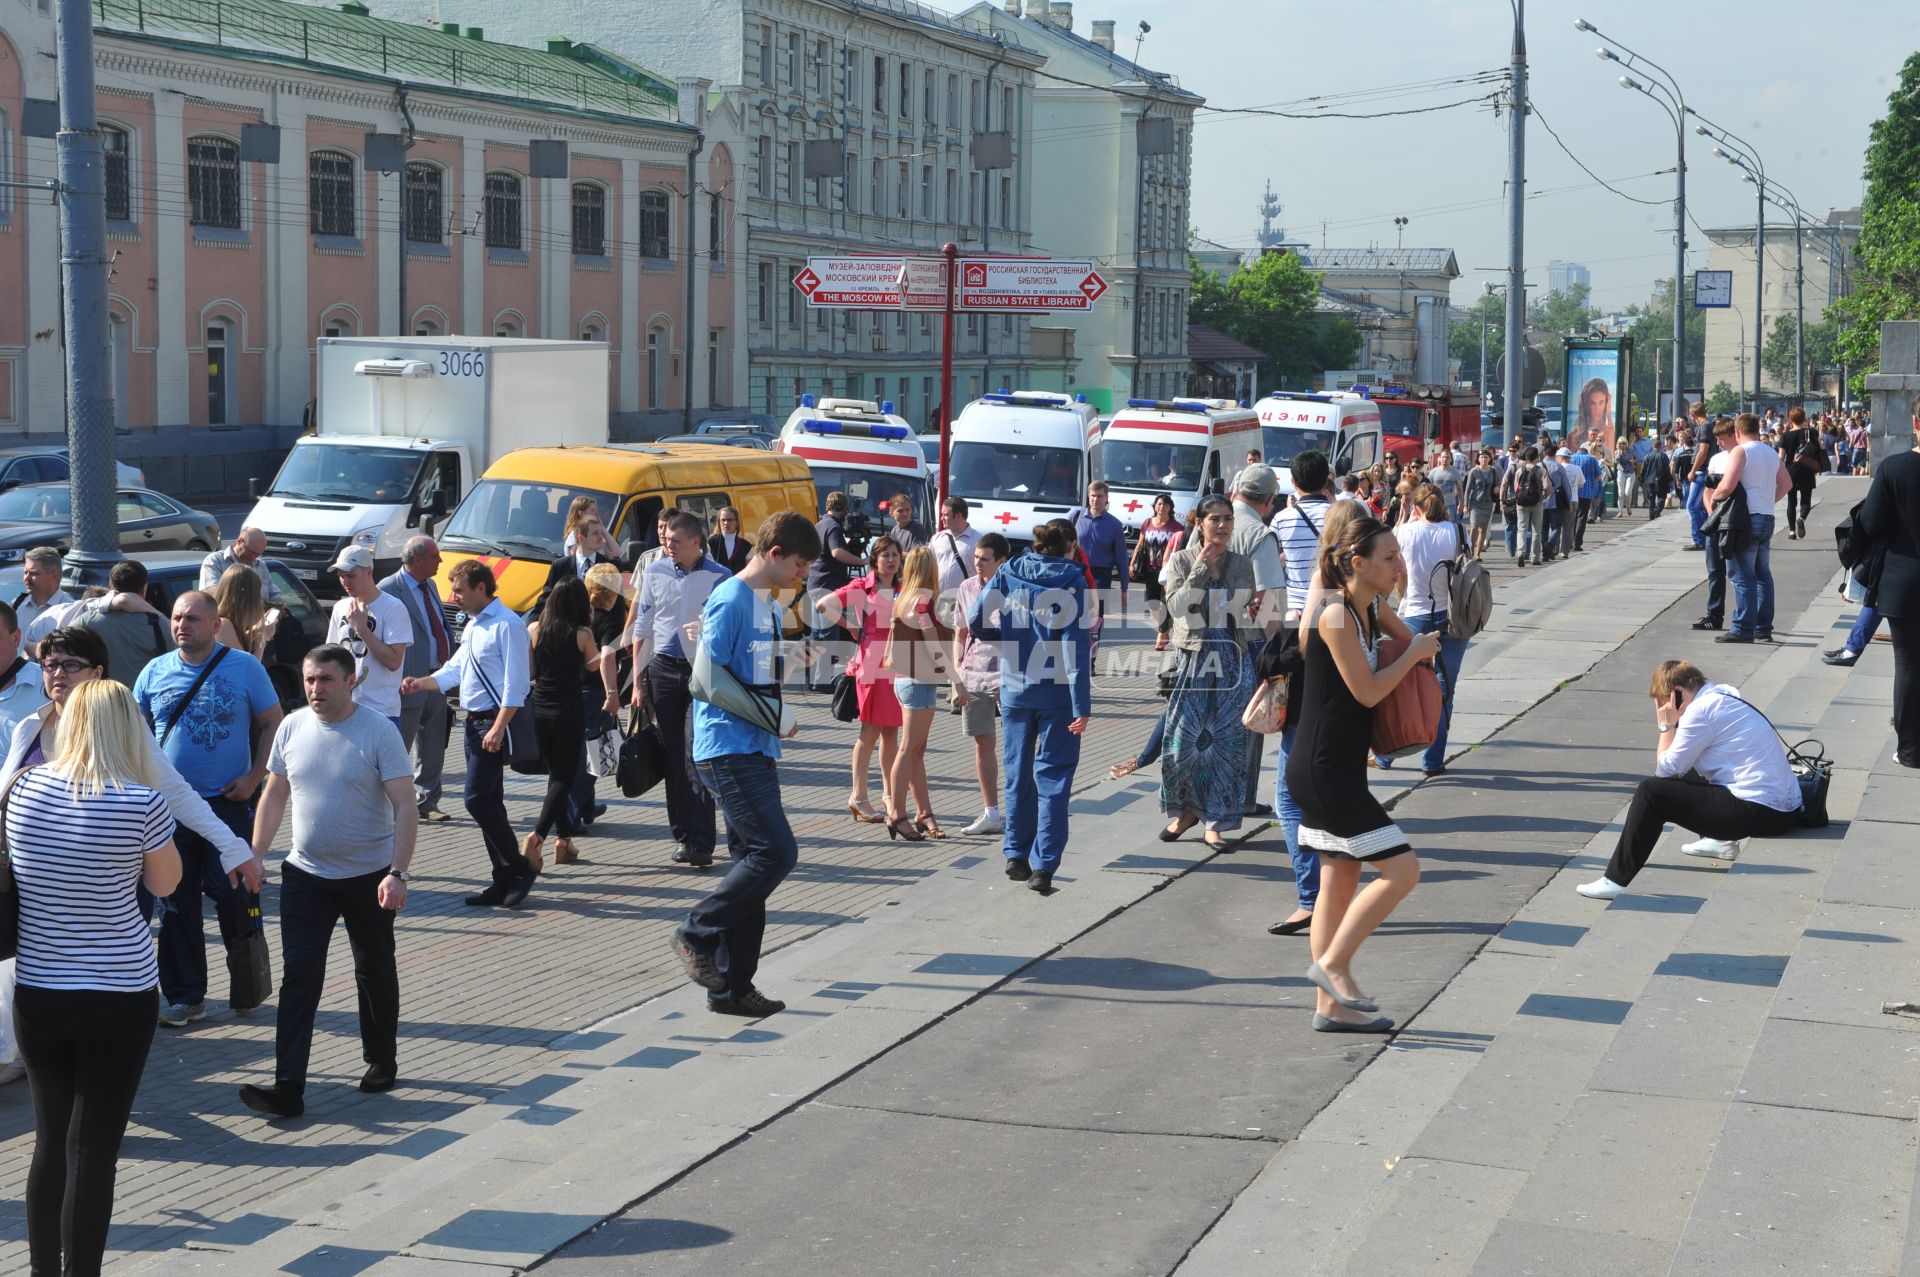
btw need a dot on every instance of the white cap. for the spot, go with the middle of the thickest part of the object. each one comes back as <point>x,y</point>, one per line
<point>352,559</point>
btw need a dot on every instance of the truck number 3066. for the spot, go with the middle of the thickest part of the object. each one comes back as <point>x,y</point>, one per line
<point>463,363</point>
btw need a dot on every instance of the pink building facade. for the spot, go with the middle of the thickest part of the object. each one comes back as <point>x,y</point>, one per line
<point>225,271</point>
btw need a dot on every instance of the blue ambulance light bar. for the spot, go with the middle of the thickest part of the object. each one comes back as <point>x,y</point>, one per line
<point>1303,394</point>
<point>1028,399</point>
<point>867,429</point>
<point>1172,405</point>
<point>886,407</point>
<point>806,401</point>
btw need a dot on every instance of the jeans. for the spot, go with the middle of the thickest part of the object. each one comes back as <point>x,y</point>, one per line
<point>309,907</point>
<point>1039,756</point>
<point>487,804</point>
<point>689,805</point>
<point>1550,521</point>
<point>424,729</point>
<point>183,934</point>
<point>733,920</point>
<point>1865,626</point>
<point>85,1050</point>
<point>1150,752</point>
<point>1752,570</point>
<point>1306,865</point>
<point>1691,803</point>
<point>1716,582</point>
<point>1510,520</point>
<point>1697,509</point>
<point>1452,652</point>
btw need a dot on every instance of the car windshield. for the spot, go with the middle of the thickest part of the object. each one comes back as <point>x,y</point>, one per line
<point>866,489</point>
<point>36,505</point>
<point>1162,467</point>
<point>1402,421</point>
<point>930,444</point>
<point>327,472</point>
<point>1014,472</point>
<point>518,517</point>
<point>1281,444</point>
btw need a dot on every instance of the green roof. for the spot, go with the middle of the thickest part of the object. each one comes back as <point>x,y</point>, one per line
<point>581,77</point>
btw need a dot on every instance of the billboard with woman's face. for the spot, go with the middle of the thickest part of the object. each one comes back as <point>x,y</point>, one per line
<point>1595,405</point>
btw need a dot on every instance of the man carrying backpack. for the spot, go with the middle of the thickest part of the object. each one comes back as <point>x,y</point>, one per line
<point>1524,492</point>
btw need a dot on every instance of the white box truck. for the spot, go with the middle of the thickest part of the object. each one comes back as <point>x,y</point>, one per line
<point>404,426</point>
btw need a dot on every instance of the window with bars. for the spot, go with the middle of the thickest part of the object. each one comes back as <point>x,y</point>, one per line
<point>655,224</point>
<point>118,163</point>
<point>330,193</point>
<point>426,203</point>
<point>716,224</point>
<point>763,293</point>
<point>880,83</point>
<point>926,192</point>
<point>503,211</point>
<point>590,220</point>
<point>213,182</point>
<point>763,166</point>
<point>906,92</point>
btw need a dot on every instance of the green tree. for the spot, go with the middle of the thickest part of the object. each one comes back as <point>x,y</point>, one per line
<point>1269,304</point>
<point>1652,333</point>
<point>1721,398</point>
<point>1559,313</point>
<point>1886,275</point>
<point>1463,337</point>
<point>1820,349</point>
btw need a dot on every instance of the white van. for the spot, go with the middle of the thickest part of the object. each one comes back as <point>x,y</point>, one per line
<point>1185,448</point>
<point>861,448</point>
<point>1021,458</point>
<point>1340,424</point>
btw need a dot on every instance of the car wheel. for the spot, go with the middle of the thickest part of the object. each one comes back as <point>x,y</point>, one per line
<point>199,545</point>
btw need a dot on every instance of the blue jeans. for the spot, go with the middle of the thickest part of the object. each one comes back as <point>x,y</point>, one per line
<point>1752,570</point>
<point>1039,755</point>
<point>1452,652</point>
<point>733,920</point>
<point>1865,626</point>
<point>1697,509</point>
<point>1306,865</point>
<point>1510,520</point>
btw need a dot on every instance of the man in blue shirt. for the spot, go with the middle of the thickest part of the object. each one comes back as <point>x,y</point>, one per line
<point>719,943</point>
<point>1103,539</point>
<point>214,711</point>
<point>1588,464</point>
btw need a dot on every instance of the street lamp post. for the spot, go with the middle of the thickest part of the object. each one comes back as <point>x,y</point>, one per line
<point>1673,102</point>
<point>1708,129</point>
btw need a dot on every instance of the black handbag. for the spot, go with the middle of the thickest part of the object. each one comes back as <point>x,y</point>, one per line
<point>1812,771</point>
<point>522,749</point>
<point>249,965</point>
<point>643,756</point>
<point>846,698</point>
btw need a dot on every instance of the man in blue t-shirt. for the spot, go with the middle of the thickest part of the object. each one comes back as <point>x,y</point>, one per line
<point>214,712</point>
<point>719,943</point>
<point>1590,489</point>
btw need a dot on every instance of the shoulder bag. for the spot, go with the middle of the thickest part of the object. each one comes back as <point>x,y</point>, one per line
<point>643,756</point>
<point>9,891</point>
<point>759,705</point>
<point>1812,771</point>
<point>1408,720</point>
<point>522,749</point>
<point>180,708</point>
<point>1266,711</point>
<point>845,698</point>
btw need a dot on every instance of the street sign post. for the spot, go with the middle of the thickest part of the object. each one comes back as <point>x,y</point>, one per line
<point>861,283</point>
<point>1017,283</point>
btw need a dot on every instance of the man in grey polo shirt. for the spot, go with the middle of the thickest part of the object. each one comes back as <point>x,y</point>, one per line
<point>1255,493</point>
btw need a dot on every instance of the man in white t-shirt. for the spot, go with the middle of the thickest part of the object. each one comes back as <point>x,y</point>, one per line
<point>375,627</point>
<point>1755,467</point>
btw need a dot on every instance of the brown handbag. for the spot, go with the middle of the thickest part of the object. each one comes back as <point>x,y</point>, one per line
<point>1408,720</point>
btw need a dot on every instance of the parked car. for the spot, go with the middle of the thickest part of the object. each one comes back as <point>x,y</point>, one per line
<point>49,464</point>
<point>42,514</point>
<point>726,438</point>
<point>748,423</point>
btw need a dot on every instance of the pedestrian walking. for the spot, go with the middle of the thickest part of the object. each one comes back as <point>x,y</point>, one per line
<point>1525,492</point>
<point>719,943</point>
<point>953,544</point>
<point>82,832</point>
<point>1800,451</point>
<point>214,712</point>
<point>346,775</point>
<point>375,627</point>
<point>1428,546</point>
<point>1720,770</point>
<point>831,570</point>
<point>1482,482</point>
<point>1656,480</point>
<point>1254,499</point>
<point>247,549</point>
<point>1858,444</point>
<point>1103,543</point>
<point>977,672</point>
<point>490,670</point>
<point>1327,770</point>
<point>583,545</point>
<point>563,652</point>
<point>1706,447</point>
<point>601,698</point>
<point>426,722</point>
<point>1160,535</point>
<point>1891,520</point>
<point>40,594</point>
<point>728,546</point>
<point>1756,468</point>
<point>1037,610</point>
<point>1203,768</point>
<point>866,612</point>
<point>918,646</point>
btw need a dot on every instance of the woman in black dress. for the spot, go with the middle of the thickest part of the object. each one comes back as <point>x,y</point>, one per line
<point>1327,767</point>
<point>563,652</point>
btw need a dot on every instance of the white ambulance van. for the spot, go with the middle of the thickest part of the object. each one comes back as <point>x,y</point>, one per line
<point>1021,458</point>
<point>1343,426</point>
<point>863,449</point>
<point>1185,448</point>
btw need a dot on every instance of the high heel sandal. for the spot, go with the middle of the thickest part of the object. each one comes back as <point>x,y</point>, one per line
<point>563,852</point>
<point>863,814</point>
<point>929,827</point>
<point>911,833</point>
<point>530,850</point>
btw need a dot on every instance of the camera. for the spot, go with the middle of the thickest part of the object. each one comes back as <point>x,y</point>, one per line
<point>858,532</point>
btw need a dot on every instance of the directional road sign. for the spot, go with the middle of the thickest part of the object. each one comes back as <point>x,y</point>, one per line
<point>1015,283</point>
<point>920,283</point>
<point>858,282</point>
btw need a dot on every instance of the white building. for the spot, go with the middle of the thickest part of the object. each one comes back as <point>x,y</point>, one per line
<point>1399,298</point>
<point>1111,151</point>
<point>1564,277</point>
<point>1826,252</point>
<point>896,96</point>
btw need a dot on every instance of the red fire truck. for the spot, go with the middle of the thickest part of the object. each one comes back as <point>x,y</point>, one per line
<point>1414,420</point>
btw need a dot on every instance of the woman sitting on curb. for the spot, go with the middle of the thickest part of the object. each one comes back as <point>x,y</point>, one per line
<point>1722,771</point>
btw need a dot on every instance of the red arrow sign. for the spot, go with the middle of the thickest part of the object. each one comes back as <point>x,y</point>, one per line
<point>806,281</point>
<point>1093,286</point>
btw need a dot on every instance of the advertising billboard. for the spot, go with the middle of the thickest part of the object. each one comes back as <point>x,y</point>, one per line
<point>1595,378</point>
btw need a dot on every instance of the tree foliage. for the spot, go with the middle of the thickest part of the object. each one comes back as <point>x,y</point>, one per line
<point>1886,276</point>
<point>1722,398</point>
<point>1820,349</point>
<point>1652,333</point>
<point>1559,313</point>
<point>1463,338</point>
<point>1269,304</point>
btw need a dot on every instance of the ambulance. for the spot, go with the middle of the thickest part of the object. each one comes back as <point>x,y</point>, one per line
<point>862,448</point>
<point>1021,458</point>
<point>1185,448</point>
<point>1343,426</point>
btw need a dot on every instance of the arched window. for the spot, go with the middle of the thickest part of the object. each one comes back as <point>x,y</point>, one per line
<point>656,339</point>
<point>426,326</point>
<point>336,323</point>
<point>716,223</point>
<point>118,172</point>
<point>213,182</point>
<point>426,204</point>
<point>656,220</point>
<point>330,193</point>
<point>503,210</point>
<point>591,331</point>
<point>590,220</point>
<point>505,328</point>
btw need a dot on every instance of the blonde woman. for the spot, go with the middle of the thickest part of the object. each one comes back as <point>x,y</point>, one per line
<point>918,649</point>
<point>246,622</point>
<point>83,831</point>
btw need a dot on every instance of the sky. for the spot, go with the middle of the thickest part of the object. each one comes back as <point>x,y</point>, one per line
<point>1800,82</point>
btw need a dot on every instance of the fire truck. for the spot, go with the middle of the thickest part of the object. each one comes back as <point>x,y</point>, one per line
<point>1414,420</point>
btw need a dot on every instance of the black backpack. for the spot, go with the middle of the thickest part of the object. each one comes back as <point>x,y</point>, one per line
<point>1529,485</point>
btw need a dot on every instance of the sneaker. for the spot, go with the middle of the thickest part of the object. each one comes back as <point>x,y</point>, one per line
<point>1706,623</point>
<point>1600,889</point>
<point>1018,870</point>
<point>1712,849</point>
<point>987,822</point>
<point>273,1101</point>
<point>752,1004</point>
<point>180,1014</point>
<point>698,963</point>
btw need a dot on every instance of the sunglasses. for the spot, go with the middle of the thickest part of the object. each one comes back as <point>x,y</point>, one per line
<point>70,665</point>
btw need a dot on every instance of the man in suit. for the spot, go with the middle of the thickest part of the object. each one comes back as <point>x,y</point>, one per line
<point>1891,519</point>
<point>425,722</point>
<point>587,543</point>
<point>727,547</point>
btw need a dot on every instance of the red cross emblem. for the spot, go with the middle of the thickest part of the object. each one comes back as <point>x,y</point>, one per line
<point>1004,518</point>
<point>1132,505</point>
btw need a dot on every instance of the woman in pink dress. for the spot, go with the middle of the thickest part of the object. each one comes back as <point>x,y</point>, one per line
<point>866,610</point>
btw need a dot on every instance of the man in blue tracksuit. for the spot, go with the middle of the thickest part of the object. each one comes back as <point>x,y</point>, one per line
<point>1037,609</point>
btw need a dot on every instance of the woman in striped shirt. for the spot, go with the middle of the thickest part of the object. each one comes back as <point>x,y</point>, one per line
<point>81,832</point>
